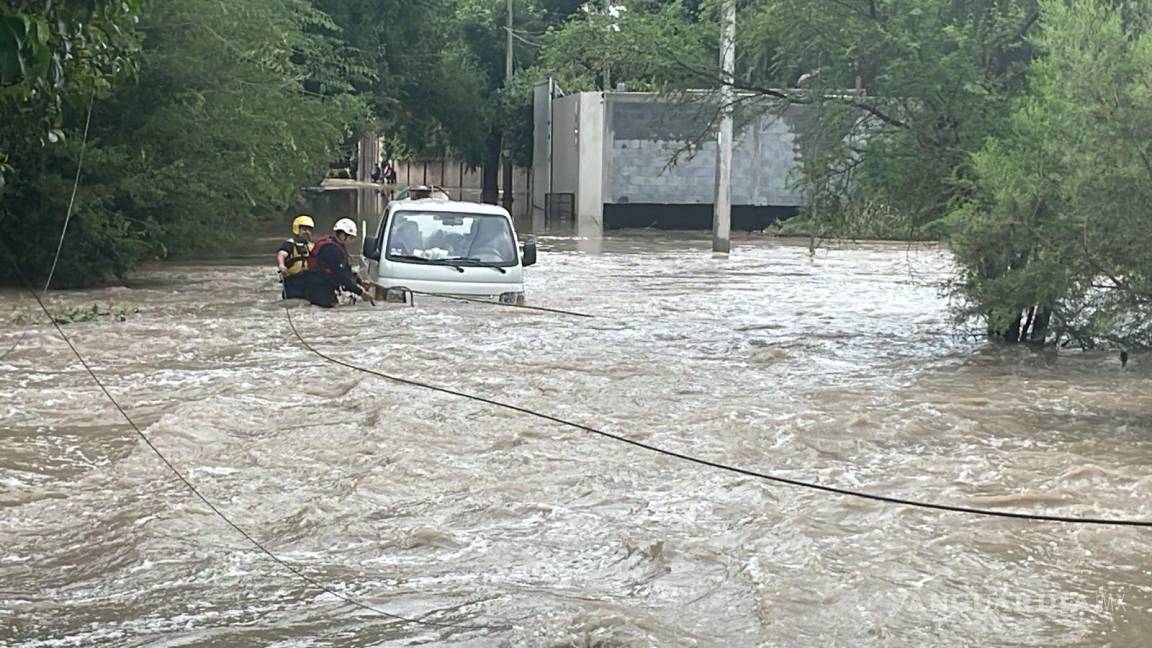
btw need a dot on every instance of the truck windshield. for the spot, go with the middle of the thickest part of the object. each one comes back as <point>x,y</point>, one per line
<point>450,238</point>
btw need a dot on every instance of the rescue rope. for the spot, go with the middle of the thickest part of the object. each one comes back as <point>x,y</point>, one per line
<point>297,571</point>
<point>717,465</point>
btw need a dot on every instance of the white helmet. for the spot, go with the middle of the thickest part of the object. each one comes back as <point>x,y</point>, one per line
<point>346,225</point>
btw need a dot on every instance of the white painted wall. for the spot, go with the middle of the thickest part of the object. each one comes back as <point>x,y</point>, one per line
<point>590,197</point>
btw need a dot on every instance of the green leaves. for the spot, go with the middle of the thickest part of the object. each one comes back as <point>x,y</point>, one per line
<point>653,48</point>
<point>1059,222</point>
<point>53,52</point>
<point>237,105</point>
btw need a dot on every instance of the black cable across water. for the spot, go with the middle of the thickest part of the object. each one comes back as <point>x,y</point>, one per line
<point>191,487</point>
<point>720,466</point>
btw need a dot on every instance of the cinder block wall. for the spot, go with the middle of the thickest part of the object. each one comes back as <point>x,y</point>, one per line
<point>664,152</point>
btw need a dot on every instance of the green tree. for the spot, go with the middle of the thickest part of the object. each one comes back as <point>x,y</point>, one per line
<point>53,54</point>
<point>440,83</point>
<point>646,46</point>
<point>423,90</point>
<point>904,91</point>
<point>221,125</point>
<point>1057,243</point>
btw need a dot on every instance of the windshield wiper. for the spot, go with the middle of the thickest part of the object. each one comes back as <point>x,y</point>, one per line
<point>420,259</point>
<point>473,261</point>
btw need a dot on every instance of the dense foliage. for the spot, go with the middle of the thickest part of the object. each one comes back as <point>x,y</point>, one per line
<point>1056,243</point>
<point>56,54</point>
<point>219,124</point>
<point>206,113</point>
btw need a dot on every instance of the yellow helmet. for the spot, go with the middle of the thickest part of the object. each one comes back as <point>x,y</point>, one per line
<point>301,220</point>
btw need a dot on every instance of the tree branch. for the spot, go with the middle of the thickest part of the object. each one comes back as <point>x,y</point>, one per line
<point>792,98</point>
<point>1028,23</point>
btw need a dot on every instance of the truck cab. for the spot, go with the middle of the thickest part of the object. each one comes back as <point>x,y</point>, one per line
<point>447,247</point>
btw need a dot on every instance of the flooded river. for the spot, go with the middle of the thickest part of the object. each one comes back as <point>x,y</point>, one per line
<point>841,368</point>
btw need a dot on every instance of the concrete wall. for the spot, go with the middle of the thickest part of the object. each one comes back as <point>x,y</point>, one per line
<point>367,156</point>
<point>566,144</point>
<point>665,153</point>
<point>590,199</point>
<point>464,183</point>
<point>542,97</point>
<point>629,158</point>
<point>577,155</point>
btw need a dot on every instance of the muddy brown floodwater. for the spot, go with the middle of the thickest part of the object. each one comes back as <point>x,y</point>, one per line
<point>841,368</point>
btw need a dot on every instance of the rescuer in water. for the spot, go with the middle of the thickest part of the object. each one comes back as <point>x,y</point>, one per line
<point>329,271</point>
<point>292,257</point>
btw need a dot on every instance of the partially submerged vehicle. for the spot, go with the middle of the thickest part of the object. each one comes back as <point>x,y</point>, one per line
<point>445,247</point>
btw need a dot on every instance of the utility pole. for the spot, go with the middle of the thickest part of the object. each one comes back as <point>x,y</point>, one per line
<point>508,82</point>
<point>608,65</point>
<point>722,216</point>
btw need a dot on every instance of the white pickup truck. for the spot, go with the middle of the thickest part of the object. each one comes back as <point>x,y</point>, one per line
<point>447,247</point>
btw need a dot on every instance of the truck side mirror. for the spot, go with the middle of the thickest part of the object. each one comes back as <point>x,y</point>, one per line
<point>529,256</point>
<point>371,248</point>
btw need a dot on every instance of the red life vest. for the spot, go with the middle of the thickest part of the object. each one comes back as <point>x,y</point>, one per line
<point>314,258</point>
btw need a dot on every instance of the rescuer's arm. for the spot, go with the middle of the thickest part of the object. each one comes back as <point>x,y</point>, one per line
<point>281,257</point>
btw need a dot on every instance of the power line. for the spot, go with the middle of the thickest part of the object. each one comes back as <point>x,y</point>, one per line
<point>717,465</point>
<point>516,33</point>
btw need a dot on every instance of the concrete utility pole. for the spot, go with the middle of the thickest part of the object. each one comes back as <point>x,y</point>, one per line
<point>722,216</point>
<point>507,82</point>
<point>608,66</point>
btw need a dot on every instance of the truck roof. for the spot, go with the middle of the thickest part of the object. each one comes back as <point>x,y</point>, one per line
<point>442,205</point>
